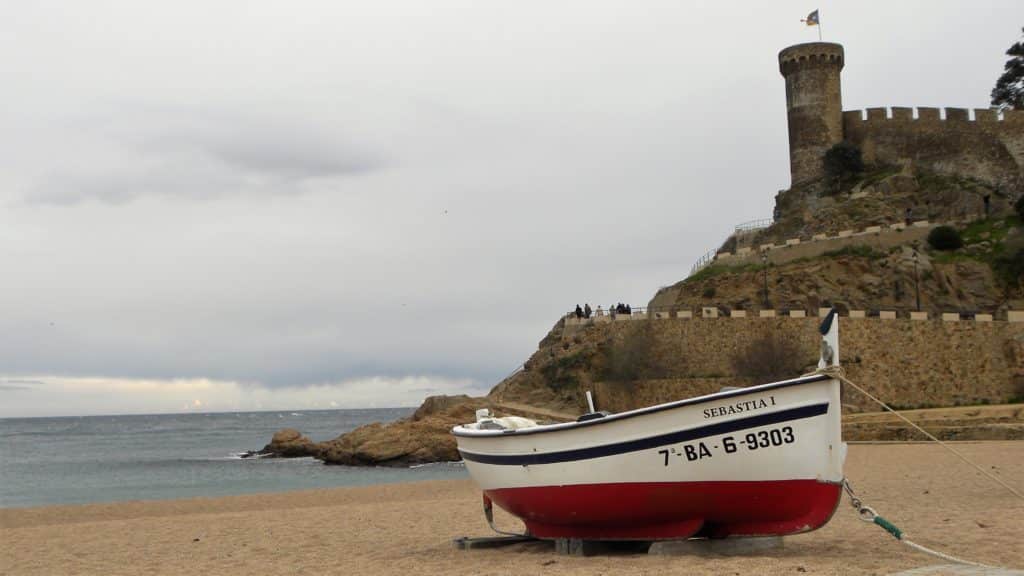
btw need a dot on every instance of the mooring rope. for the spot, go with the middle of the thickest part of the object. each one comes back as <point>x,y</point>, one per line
<point>868,514</point>
<point>837,373</point>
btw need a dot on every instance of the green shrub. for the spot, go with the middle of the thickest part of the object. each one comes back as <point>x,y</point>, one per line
<point>709,292</point>
<point>843,162</point>
<point>564,372</point>
<point>1019,207</point>
<point>945,238</point>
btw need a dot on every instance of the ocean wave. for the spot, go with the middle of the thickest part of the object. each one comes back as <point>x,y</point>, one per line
<point>450,463</point>
<point>241,456</point>
<point>271,457</point>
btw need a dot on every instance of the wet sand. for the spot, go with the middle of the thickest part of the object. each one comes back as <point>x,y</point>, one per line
<point>407,529</point>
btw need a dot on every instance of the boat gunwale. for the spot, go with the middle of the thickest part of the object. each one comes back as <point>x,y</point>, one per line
<point>462,431</point>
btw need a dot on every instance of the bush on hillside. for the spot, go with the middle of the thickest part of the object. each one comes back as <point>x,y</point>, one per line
<point>843,162</point>
<point>1019,207</point>
<point>945,238</point>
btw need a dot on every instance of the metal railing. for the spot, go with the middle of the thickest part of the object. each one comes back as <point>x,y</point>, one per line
<point>599,311</point>
<point>752,225</point>
<point>703,261</point>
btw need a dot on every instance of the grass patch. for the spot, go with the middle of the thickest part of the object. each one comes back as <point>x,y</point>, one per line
<point>929,181</point>
<point>856,250</point>
<point>989,230</point>
<point>876,176</point>
<point>712,270</point>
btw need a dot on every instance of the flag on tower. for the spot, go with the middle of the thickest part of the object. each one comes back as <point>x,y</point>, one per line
<point>812,19</point>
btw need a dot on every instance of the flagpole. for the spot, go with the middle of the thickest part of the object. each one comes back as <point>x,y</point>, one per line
<point>819,25</point>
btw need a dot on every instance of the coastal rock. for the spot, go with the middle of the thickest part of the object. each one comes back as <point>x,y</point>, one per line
<point>424,437</point>
<point>286,443</point>
<point>440,404</point>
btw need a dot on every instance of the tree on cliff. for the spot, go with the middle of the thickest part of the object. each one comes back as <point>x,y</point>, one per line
<point>843,163</point>
<point>1009,90</point>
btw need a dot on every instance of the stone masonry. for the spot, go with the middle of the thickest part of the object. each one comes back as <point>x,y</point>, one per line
<point>908,363</point>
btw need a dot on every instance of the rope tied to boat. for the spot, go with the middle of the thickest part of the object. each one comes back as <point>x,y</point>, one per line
<point>837,373</point>
<point>868,514</point>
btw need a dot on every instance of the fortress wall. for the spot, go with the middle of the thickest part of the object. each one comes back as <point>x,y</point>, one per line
<point>904,362</point>
<point>989,148</point>
<point>882,240</point>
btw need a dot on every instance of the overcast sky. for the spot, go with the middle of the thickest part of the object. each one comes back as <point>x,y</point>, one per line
<point>268,205</point>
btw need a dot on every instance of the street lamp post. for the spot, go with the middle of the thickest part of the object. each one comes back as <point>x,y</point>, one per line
<point>764,262</point>
<point>917,288</point>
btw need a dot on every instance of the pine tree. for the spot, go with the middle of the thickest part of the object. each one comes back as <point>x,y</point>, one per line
<point>1009,90</point>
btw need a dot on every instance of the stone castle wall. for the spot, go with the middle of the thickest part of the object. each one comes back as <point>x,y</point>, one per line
<point>907,363</point>
<point>989,147</point>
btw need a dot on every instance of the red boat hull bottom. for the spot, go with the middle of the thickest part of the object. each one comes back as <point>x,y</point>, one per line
<point>671,510</point>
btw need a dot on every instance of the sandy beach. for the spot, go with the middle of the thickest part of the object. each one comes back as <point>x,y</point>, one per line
<point>407,529</point>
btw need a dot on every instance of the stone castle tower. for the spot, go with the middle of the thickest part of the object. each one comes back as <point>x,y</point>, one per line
<point>985,144</point>
<point>813,105</point>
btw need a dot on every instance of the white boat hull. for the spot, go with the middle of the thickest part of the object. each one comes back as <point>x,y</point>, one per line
<point>754,461</point>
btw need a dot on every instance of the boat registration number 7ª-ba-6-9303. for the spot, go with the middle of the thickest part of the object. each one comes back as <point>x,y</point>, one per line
<point>730,444</point>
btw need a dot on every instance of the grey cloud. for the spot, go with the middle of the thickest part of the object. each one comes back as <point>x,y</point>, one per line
<point>201,155</point>
<point>11,384</point>
<point>292,156</point>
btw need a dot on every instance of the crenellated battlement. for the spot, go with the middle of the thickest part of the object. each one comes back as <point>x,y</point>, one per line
<point>984,144</point>
<point>940,117</point>
<point>810,55</point>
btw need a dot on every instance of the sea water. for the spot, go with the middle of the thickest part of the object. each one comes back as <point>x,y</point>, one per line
<point>107,458</point>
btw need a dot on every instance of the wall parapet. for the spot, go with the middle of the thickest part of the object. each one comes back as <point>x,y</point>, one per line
<point>921,115</point>
<point>712,313</point>
<point>777,252</point>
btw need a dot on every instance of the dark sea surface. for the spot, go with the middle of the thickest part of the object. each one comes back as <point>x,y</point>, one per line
<point>107,458</point>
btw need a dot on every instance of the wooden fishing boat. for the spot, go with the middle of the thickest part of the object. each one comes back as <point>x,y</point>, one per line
<point>757,461</point>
